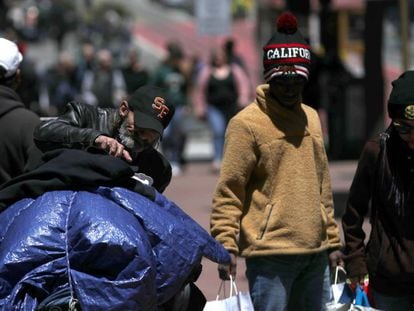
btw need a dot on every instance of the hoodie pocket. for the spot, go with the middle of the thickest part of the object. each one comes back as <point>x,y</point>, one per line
<point>265,221</point>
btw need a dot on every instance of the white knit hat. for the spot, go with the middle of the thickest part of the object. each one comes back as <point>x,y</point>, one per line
<point>10,57</point>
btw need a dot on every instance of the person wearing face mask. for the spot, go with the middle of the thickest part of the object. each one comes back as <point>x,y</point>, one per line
<point>273,200</point>
<point>383,188</point>
<point>131,132</point>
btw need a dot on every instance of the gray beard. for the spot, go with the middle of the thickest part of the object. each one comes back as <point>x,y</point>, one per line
<point>133,143</point>
<point>125,136</point>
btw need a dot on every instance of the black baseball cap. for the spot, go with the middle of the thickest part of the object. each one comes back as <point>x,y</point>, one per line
<point>150,108</point>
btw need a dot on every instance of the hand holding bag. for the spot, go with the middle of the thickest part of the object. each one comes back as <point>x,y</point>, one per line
<point>236,301</point>
<point>342,295</point>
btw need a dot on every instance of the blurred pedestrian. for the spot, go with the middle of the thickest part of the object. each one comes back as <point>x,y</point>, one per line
<point>134,73</point>
<point>4,8</point>
<point>132,132</point>
<point>17,149</point>
<point>383,186</point>
<point>85,61</point>
<point>58,18</point>
<point>313,90</point>
<point>29,85</point>
<point>336,80</point>
<point>273,200</point>
<point>221,91</point>
<point>233,57</point>
<point>103,86</point>
<point>60,84</point>
<point>174,75</point>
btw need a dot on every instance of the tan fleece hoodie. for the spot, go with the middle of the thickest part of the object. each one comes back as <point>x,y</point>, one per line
<point>274,191</point>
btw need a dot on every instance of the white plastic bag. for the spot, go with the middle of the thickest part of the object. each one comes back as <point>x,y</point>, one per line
<point>344,299</point>
<point>236,301</point>
<point>341,297</point>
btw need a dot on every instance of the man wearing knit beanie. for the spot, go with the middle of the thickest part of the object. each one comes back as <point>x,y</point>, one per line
<point>273,200</point>
<point>384,184</point>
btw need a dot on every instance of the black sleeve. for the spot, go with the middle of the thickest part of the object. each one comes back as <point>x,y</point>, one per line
<point>66,169</point>
<point>357,208</point>
<point>154,164</point>
<point>75,129</point>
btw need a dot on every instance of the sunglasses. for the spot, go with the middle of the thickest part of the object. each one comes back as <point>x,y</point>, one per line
<point>403,128</point>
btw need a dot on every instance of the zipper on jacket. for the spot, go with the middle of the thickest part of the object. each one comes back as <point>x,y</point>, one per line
<point>270,208</point>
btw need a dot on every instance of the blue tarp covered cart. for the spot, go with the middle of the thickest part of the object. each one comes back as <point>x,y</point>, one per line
<point>112,248</point>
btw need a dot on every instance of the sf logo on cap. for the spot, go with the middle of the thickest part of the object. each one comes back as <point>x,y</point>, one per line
<point>159,105</point>
<point>409,112</point>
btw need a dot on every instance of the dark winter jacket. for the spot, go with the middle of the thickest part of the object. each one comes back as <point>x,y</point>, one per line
<point>383,183</point>
<point>68,169</point>
<point>18,152</point>
<point>81,124</point>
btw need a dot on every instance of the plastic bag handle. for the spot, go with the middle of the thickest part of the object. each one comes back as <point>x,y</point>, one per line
<point>219,290</point>
<point>233,285</point>
<point>222,287</point>
<point>337,269</point>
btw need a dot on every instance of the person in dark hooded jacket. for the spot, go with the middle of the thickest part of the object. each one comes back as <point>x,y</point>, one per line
<point>17,149</point>
<point>384,184</point>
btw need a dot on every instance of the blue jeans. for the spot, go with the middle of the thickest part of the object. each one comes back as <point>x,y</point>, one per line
<point>218,124</point>
<point>386,303</point>
<point>327,294</point>
<point>288,282</point>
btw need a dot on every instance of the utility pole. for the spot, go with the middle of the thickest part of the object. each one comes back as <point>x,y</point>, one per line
<point>374,77</point>
<point>404,25</point>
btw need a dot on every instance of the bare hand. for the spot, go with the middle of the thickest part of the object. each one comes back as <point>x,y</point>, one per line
<point>336,259</point>
<point>113,147</point>
<point>225,270</point>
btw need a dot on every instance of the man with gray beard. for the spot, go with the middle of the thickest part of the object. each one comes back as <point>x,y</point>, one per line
<point>131,132</point>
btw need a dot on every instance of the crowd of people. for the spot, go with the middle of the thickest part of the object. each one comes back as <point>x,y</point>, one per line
<point>101,75</point>
<point>273,201</point>
<point>97,72</point>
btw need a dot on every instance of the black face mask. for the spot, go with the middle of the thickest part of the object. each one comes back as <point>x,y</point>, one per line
<point>287,90</point>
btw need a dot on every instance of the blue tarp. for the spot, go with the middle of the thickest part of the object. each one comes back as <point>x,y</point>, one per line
<point>115,249</point>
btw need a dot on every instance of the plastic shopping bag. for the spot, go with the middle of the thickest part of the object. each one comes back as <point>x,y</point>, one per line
<point>361,302</point>
<point>236,301</point>
<point>342,295</point>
